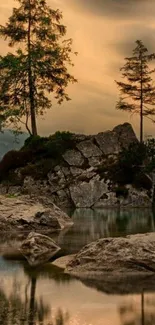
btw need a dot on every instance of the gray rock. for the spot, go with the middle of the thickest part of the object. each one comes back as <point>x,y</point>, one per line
<point>66,171</point>
<point>136,198</point>
<point>25,213</point>
<point>33,187</point>
<point>82,174</point>
<point>89,149</point>
<point>38,249</point>
<point>95,161</point>
<point>131,255</point>
<point>125,134</point>
<point>57,181</point>
<point>108,142</point>
<point>86,194</point>
<point>53,180</point>
<point>109,200</point>
<point>75,171</point>
<point>73,158</point>
<point>63,196</point>
<point>87,174</point>
<point>80,137</point>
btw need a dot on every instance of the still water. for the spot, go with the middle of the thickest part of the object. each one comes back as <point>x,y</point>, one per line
<point>47,296</point>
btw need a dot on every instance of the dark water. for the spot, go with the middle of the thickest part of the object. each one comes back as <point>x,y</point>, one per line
<point>47,296</point>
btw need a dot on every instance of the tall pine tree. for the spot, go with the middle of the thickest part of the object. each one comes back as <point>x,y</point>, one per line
<point>39,65</point>
<point>137,94</point>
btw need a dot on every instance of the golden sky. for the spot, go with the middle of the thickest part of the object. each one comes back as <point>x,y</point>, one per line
<point>104,32</point>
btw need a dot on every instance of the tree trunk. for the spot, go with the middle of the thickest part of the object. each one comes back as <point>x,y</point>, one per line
<point>32,302</point>
<point>30,77</point>
<point>142,309</point>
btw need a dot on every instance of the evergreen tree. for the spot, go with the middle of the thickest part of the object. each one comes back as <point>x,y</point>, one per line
<point>38,67</point>
<point>138,92</point>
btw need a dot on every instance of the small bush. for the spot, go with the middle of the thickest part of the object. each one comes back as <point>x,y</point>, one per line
<point>129,164</point>
<point>34,142</point>
<point>14,159</point>
<point>53,146</point>
<point>38,170</point>
<point>58,143</point>
<point>141,180</point>
<point>133,156</point>
<point>121,191</point>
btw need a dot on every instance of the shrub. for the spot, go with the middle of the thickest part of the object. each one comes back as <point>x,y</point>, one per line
<point>133,156</point>
<point>14,159</point>
<point>129,164</point>
<point>38,170</point>
<point>121,191</point>
<point>53,146</point>
<point>34,142</point>
<point>141,180</point>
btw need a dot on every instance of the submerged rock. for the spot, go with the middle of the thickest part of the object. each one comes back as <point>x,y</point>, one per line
<point>38,249</point>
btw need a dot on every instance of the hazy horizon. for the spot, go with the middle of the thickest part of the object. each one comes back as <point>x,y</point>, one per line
<point>103,32</point>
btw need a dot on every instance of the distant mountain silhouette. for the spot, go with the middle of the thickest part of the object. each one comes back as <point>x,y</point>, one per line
<point>8,141</point>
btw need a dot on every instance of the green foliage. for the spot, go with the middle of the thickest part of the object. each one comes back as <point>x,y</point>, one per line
<point>35,143</point>
<point>38,156</point>
<point>53,146</point>
<point>141,180</point>
<point>137,93</point>
<point>59,143</point>
<point>40,169</point>
<point>121,191</point>
<point>150,147</point>
<point>38,68</point>
<point>130,163</point>
<point>14,159</point>
<point>132,156</point>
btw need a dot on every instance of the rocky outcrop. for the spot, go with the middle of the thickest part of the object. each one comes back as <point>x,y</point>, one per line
<point>26,214</point>
<point>38,249</point>
<point>86,194</point>
<point>89,149</point>
<point>110,257</point>
<point>81,178</point>
<point>73,158</point>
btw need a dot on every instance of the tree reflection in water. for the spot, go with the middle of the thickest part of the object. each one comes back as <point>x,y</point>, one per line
<point>61,318</point>
<point>26,311</point>
<point>19,309</point>
<point>130,315</point>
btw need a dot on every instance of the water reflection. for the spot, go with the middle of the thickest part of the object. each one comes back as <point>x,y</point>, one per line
<point>143,314</point>
<point>21,306</point>
<point>47,296</point>
<point>90,225</point>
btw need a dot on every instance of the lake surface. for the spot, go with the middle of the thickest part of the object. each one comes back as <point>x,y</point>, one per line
<point>47,296</point>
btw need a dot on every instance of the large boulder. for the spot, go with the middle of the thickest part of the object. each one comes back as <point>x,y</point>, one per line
<point>116,257</point>
<point>111,142</point>
<point>89,149</point>
<point>125,134</point>
<point>26,214</point>
<point>38,249</point>
<point>108,142</point>
<point>73,158</point>
<point>86,194</point>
